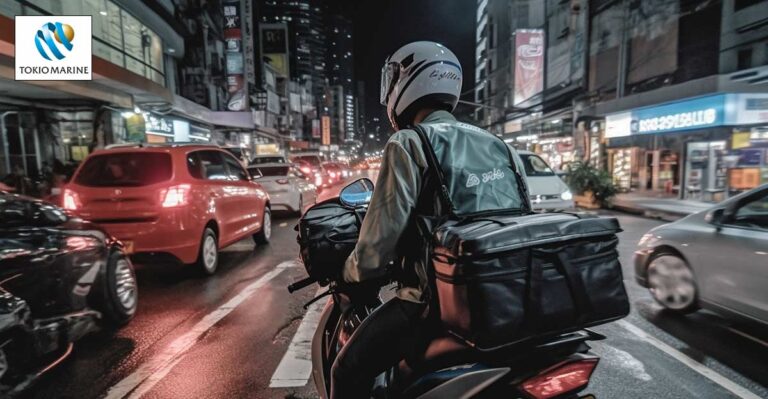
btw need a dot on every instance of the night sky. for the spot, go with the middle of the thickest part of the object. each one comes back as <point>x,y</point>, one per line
<point>381,27</point>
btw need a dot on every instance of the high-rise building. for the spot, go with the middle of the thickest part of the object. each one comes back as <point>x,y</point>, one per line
<point>497,21</point>
<point>306,37</point>
<point>340,65</point>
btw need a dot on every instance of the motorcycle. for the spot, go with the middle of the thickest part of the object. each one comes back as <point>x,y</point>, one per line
<point>555,367</point>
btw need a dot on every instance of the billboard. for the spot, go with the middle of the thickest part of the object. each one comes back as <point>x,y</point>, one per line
<point>529,63</point>
<point>274,47</point>
<point>237,89</point>
<point>325,121</point>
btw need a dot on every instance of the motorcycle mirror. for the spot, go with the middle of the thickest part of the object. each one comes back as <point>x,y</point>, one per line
<point>357,193</point>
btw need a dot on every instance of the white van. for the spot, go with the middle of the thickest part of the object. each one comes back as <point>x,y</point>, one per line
<point>546,189</point>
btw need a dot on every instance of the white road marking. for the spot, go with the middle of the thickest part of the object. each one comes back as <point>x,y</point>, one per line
<point>623,361</point>
<point>151,372</point>
<point>747,336</point>
<point>295,368</point>
<point>712,375</point>
<point>283,224</point>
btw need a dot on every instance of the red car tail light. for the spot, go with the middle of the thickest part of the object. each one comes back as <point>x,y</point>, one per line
<point>333,174</point>
<point>282,181</point>
<point>70,200</point>
<point>318,180</point>
<point>563,378</point>
<point>176,196</point>
<point>306,170</point>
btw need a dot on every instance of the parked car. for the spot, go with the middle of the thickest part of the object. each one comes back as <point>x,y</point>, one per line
<point>60,279</point>
<point>546,189</point>
<point>261,159</point>
<point>715,259</point>
<point>287,186</point>
<point>187,201</point>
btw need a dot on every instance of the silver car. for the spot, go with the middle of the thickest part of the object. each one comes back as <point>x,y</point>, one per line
<point>288,188</point>
<point>547,190</point>
<point>715,259</point>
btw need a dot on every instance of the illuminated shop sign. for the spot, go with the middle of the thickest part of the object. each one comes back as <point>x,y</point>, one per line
<point>682,120</point>
<point>691,114</point>
<point>696,113</point>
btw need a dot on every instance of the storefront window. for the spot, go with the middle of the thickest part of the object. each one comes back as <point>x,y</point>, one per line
<point>76,130</point>
<point>705,175</point>
<point>622,162</point>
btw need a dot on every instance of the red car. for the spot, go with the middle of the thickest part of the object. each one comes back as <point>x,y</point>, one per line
<point>187,201</point>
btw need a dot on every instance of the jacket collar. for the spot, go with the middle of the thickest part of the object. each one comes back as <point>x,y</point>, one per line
<point>439,116</point>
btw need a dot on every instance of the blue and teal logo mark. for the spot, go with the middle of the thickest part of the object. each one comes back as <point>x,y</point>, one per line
<point>54,40</point>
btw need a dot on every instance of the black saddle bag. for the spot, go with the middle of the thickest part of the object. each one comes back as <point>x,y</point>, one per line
<point>327,235</point>
<point>503,278</point>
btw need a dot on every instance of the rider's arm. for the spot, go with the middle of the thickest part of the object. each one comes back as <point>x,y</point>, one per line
<point>394,198</point>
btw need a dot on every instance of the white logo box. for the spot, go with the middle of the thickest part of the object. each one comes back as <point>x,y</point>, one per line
<point>43,50</point>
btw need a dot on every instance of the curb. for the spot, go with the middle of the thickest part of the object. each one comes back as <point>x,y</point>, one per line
<point>650,213</point>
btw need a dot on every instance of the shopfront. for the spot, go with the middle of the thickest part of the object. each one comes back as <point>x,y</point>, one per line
<point>551,139</point>
<point>705,148</point>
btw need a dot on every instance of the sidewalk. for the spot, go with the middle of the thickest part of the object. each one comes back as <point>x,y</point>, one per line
<point>658,206</point>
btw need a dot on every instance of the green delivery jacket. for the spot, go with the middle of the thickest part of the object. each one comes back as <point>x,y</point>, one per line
<point>478,173</point>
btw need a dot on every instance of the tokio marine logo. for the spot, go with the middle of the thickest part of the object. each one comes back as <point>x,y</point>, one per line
<point>54,40</point>
<point>53,47</point>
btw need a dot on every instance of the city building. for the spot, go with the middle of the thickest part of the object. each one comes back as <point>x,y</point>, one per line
<point>157,77</point>
<point>340,64</point>
<point>306,37</point>
<point>669,96</point>
<point>494,60</point>
<point>681,110</point>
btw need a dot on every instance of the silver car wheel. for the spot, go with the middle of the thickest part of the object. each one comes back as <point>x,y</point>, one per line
<point>210,253</point>
<point>671,282</point>
<point>267,225</point>
<point>125,284</point>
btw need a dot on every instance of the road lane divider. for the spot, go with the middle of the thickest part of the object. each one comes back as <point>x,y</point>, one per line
<point>295,367</point>
<point>694,365</point>
<point>146,376</point>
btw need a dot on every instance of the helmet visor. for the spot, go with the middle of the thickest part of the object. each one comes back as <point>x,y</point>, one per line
<point>390,72</point>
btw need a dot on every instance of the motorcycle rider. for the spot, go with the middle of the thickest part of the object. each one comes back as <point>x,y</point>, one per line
<point>420,84</point>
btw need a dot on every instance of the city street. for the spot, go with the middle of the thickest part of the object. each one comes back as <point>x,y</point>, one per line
<point>226,336</point>
<point>156,157</point>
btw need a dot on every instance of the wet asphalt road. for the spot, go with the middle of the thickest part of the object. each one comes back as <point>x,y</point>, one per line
<point>224,337</point>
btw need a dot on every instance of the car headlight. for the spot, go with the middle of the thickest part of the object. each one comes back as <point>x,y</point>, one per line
<point>566,196</point>
<point>646,239</point>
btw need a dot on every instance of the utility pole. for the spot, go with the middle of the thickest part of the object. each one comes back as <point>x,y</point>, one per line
<point>621,76</point>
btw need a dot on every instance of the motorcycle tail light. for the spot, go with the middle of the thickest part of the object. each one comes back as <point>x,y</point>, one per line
<point>282,181</point>
<point>560,379</point>
<point>175,196</point>
<point>70,200</point>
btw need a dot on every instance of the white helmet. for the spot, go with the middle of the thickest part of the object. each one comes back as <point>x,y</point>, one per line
<point>417,76</point>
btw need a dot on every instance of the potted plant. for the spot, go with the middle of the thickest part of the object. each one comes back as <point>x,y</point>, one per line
<point>592,187</point>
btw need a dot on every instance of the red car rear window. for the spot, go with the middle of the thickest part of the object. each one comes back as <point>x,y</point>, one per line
<point>129,169</point>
